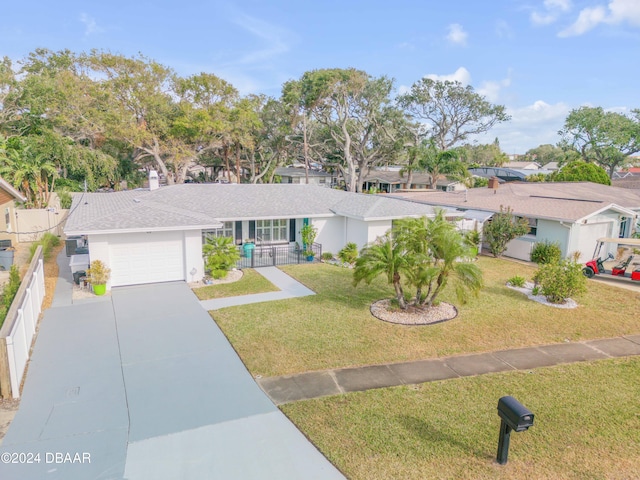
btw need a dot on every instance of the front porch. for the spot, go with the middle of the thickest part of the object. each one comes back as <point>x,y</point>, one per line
<point>274,255</point>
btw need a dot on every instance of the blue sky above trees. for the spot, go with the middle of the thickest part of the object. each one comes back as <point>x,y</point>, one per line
<point>539,58</point>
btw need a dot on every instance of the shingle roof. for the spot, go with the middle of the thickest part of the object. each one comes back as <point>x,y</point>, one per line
<point>551,200</point>
<point>195,206</point>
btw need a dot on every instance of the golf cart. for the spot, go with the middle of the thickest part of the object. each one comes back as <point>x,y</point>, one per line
<point>627,250</point>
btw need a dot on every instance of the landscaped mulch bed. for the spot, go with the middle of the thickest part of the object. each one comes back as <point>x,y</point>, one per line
<point>413,315</point>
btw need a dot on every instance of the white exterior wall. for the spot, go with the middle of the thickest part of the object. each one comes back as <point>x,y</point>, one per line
<point>357,232</point>
<point>99,250</point>
<point>572,237</point>
<point>330,233</point>
<point>193,255</point>
<point>377,229</point>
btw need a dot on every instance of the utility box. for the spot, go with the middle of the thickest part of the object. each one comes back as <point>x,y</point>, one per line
<point>6,259</point>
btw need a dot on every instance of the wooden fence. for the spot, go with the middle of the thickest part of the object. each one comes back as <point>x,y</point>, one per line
<point>19,327</point>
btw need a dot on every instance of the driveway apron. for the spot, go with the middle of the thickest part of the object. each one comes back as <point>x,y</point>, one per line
<point>143,384</point>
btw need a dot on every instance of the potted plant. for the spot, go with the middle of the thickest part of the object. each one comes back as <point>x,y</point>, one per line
<point>98,275</point>
<point>308,234</point>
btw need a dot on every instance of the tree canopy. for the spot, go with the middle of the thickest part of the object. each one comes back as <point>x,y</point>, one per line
<point>450,112</point>
<point>606,138</point>
<point>580,171</point>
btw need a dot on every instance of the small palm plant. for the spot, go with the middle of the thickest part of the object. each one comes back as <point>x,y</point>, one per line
<point>220,256</point>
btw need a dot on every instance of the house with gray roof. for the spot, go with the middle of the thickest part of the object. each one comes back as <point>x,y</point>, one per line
<point>574,214</point>
<point>391,180</point>
<point>300,175</point>
<point>156,235</point>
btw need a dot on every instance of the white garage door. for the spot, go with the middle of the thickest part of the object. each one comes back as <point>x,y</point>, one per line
<point>146,258</point>
<point>588,236</point>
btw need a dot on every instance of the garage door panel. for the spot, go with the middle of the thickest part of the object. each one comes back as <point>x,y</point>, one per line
<point>147,258</point>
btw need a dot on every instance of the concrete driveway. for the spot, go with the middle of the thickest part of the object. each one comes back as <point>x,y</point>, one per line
<point>142,384</point>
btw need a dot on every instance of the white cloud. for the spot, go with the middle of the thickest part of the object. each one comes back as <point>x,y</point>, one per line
<point>530,126</point>
<point>461,75</point>
<point>491,89</point>
<point>90,25</point>
<point>625,10</point>
<point>616,12</point>
<point>552,9</point>
<point>587,19</point>
<point>457,35</point>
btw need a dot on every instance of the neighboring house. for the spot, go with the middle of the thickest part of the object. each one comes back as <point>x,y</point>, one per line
<point>627,173</point>
<point>522,165</point>
<point>8,197</point>
<point>156,235</point>
<point>298,175</point>
<point>449,185</point>
<point>391,181</point>
<point>573,214</point>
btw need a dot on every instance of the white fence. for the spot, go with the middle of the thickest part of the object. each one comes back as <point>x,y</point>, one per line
<point>20,326</point>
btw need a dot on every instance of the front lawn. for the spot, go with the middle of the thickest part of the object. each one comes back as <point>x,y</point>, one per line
<point>251,282</point>
<point>335,329</point>
<point>587,425</point>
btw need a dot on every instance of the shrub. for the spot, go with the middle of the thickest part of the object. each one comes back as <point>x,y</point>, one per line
<point>546,252</point>
<point>502,228</point>
<point>48,241</point>
<point>349,253</point>
<point>9,292</point>
<point>308,234</point>
<point>560,281</point>
<point>98,273</point>
<point>327,256</point>
<point>65,198</point>
<point>220,256</point>
<point>517,281</point>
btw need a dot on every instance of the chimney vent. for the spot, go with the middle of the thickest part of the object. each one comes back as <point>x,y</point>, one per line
<point>493,183</point>
<point>154,181</point>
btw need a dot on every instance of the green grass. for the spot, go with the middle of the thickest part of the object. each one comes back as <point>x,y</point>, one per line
<point>587,426</point>
<point>335,329</point>
<point>251,282</point>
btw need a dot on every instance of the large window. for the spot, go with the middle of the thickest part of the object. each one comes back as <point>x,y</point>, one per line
<point>271,231</point>
<point>225,231</point>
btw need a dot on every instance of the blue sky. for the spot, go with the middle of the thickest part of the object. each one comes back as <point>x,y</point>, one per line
<point>539,58</point>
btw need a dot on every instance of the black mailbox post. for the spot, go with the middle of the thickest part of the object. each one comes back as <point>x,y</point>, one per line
<point>515,416</point>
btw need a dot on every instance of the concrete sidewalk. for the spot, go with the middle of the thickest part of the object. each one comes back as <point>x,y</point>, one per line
<point>292,388</point>
<point>289,288</point>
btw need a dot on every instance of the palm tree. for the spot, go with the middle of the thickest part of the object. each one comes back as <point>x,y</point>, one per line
<point>449,249</point>
<point>432,251</point>
<point>386,256</point>
<point>30,174</point>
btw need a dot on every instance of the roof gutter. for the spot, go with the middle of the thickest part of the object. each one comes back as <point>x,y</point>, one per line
<point>144,230</point>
